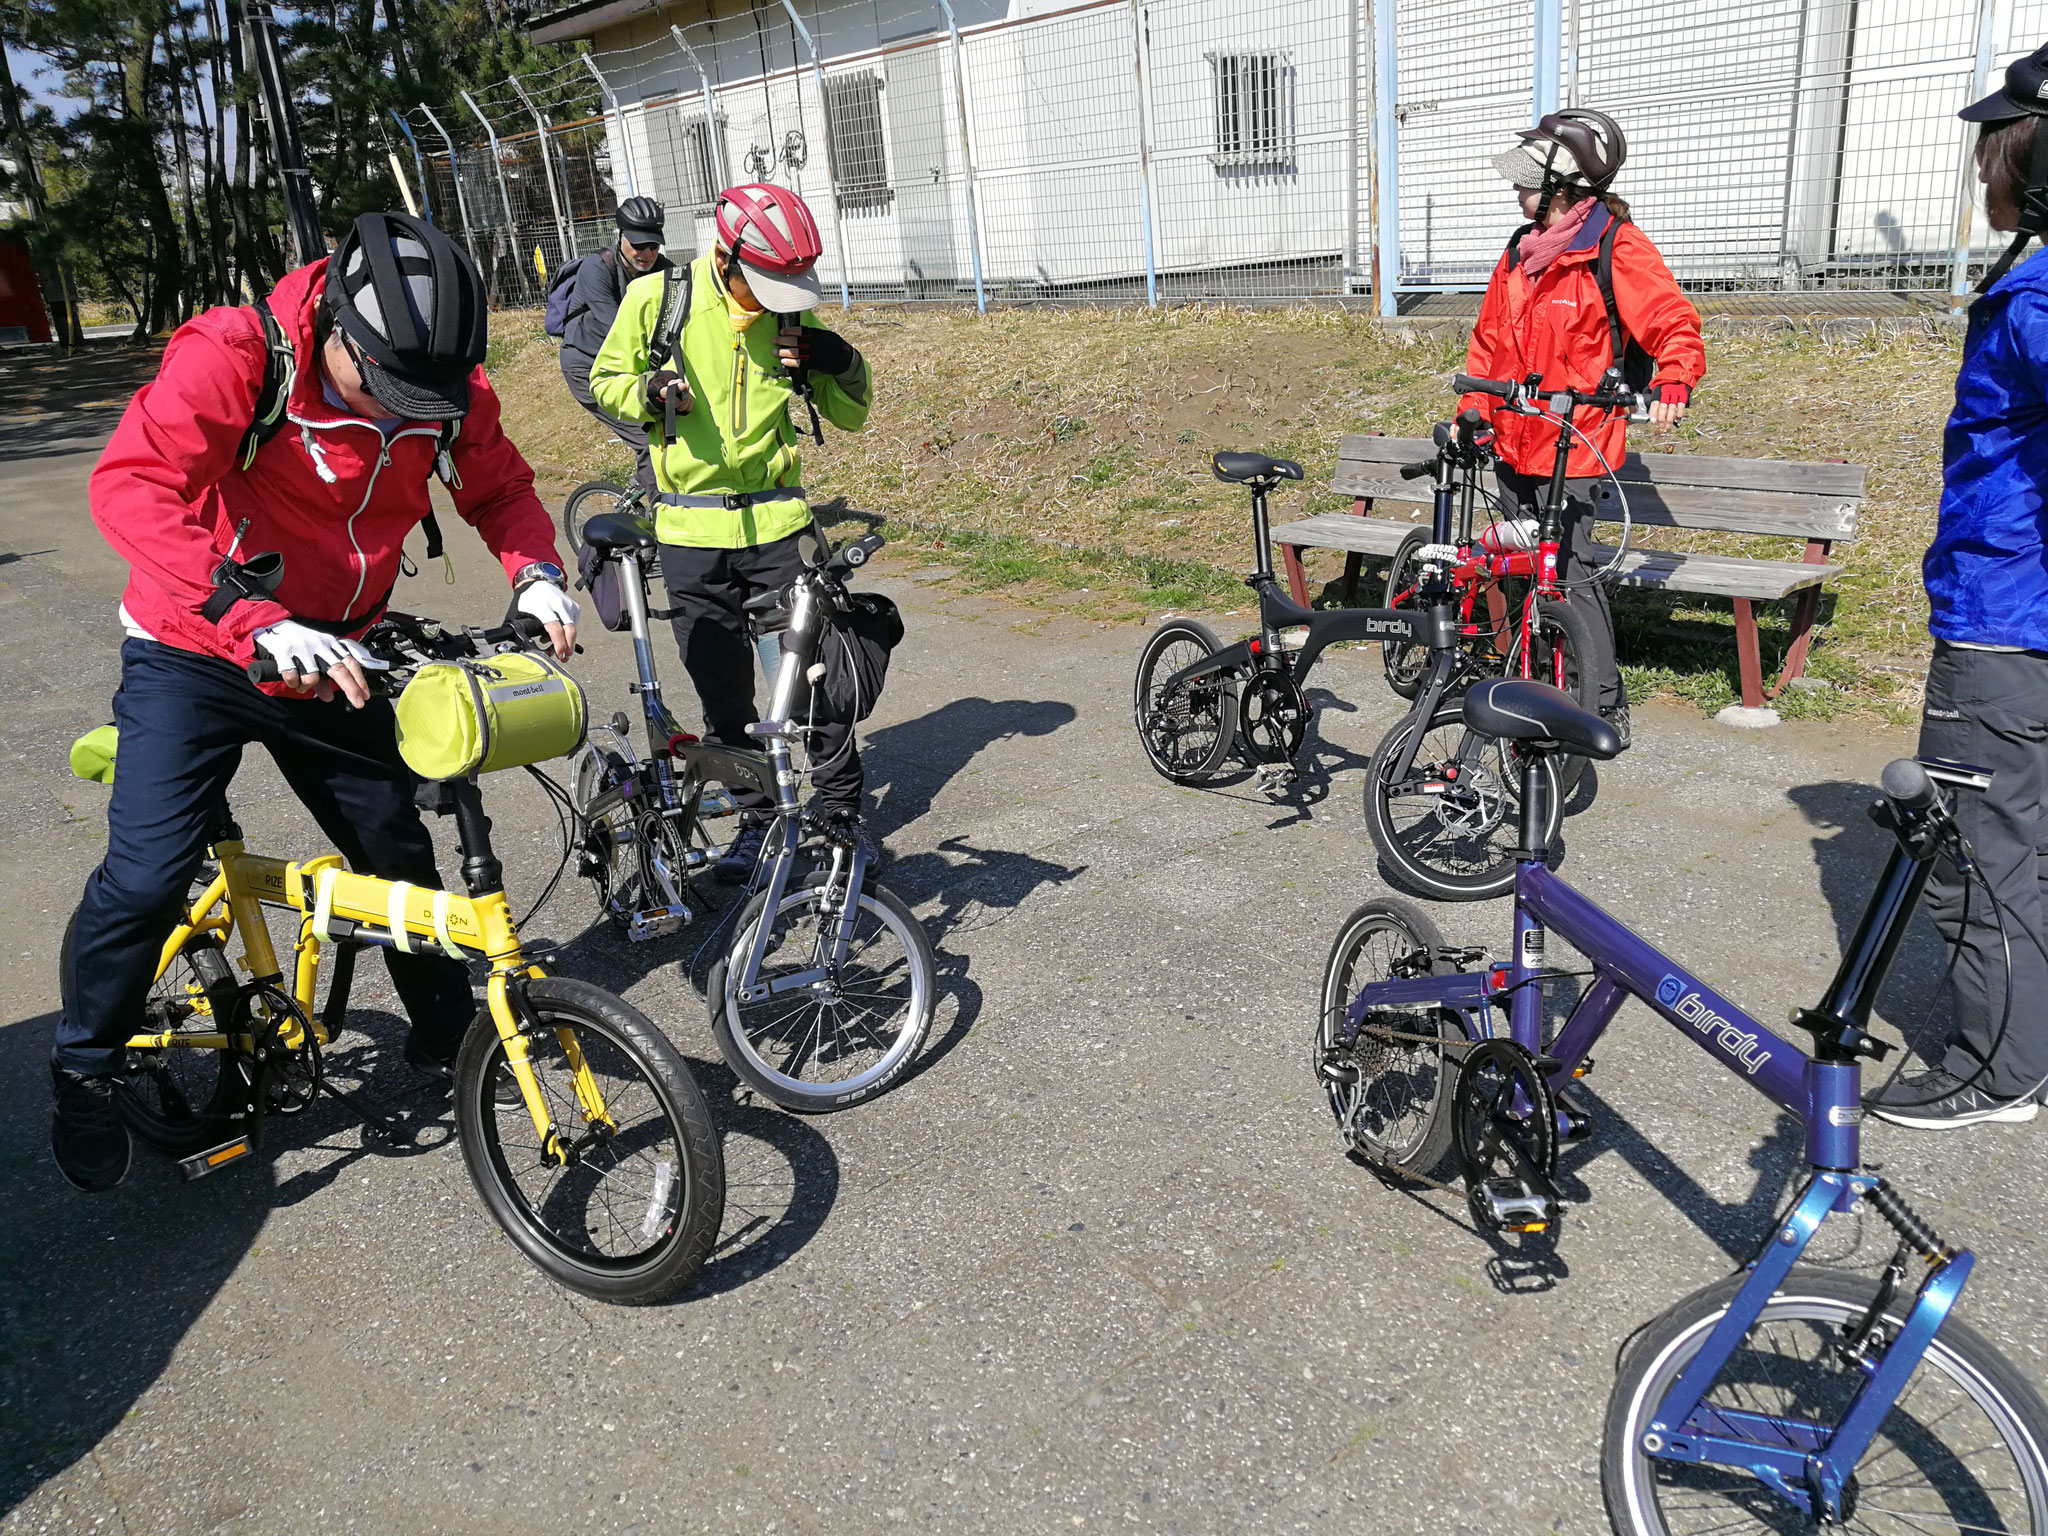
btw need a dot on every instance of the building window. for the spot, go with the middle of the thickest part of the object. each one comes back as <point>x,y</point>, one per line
<point>860,162</point>
<point>1254,95</point>
<point>700,165</point>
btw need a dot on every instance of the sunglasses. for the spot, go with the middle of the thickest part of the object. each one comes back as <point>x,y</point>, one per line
<point>652,245</point>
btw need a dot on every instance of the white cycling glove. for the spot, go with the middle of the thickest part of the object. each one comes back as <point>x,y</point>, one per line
<point>547,602</point>
<point>299,648</point>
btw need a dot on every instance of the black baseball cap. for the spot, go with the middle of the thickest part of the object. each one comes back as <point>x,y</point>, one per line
<point>2024,94</point>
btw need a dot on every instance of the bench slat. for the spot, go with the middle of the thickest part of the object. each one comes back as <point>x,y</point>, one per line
<point>1785,476</point>
<point>1673,570</point>
<point>1657,505</point>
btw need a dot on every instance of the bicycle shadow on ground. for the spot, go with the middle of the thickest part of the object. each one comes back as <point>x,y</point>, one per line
<point>1849,851</point>
<point>96,1292</point>
<point>781,1182</point>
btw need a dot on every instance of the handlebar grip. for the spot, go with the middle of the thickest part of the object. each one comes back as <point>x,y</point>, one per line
<point>521,626</point>
<point>1417,470</point>
<point>264,670</point>
<point>1465,384</point>
<point>1907,785</point>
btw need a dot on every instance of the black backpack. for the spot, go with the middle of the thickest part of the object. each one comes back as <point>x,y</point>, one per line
<point>1637,366</point>
<point>280,372</point>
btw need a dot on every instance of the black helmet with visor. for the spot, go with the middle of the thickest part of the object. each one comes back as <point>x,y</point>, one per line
<point>1577,147</point>
<point>412,310</point>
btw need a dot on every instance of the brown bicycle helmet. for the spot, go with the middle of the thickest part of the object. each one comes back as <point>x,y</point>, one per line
<point>1577,147</point>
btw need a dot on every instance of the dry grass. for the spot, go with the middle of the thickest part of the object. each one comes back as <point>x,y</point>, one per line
<point>1068,449</point>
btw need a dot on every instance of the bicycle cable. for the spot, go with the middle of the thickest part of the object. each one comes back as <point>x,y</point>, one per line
<point>564,809</point>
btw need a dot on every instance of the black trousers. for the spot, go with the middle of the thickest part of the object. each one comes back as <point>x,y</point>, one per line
<point>184,720</point>
<point>1990,709</point>
<point>576,374</point>
<point>1575,538</point>
<point>707,589</point>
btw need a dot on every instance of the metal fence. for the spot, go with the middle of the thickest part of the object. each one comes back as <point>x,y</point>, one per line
<point>968,150</point>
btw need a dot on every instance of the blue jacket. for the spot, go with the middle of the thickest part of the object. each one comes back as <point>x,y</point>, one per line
<point>1987,569</point>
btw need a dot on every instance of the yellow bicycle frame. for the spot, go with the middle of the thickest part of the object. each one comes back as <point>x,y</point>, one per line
<point>410,918</point>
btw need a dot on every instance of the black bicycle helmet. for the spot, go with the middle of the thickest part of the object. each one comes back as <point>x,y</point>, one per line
<point>641,220</point>
<point>1577,147</point>
<point>412,308</point>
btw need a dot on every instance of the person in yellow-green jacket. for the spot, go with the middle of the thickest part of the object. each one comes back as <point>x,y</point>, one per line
<point>710,359</point>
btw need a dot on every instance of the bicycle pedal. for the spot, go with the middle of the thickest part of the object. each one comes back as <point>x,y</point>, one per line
<point>200,1164</point>
<point>655,923</point>
<point>1276,776</point>
<point>1509,1205</point>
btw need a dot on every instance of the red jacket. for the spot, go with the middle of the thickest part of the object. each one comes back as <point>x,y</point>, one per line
<point>170,496</point>
<point>1557,327</point>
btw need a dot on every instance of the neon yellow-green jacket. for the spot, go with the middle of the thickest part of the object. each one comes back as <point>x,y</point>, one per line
<point>738,435</point>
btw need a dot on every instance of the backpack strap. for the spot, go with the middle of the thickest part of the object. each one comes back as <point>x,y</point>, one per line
<point>280,372</point>
<point>1603,274</point>
<point>674,315</point>
<point>1515,246</point>
<point>800,381</point>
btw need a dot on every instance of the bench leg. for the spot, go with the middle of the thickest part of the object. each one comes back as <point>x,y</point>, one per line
<point>1802,637</point>
<point>1747,660</point>
<point>1354,562</point>
<point>1297,578</point>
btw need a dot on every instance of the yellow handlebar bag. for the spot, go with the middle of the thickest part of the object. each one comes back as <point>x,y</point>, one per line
<point>456,718</point>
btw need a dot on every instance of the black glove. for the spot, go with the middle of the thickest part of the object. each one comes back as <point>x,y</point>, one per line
<point>819,350</point>
<point>654,390</point>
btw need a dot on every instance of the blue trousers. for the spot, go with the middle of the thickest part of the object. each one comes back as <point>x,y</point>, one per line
<point>184,720</point>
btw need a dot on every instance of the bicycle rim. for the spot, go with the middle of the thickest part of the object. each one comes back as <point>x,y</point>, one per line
<point>182,1097</point>
<point>841,1039</point>
<point>584,503</point>
<point>1186,731</point>
<point>1451,827</point>
<point>1912,1480</point>
<point>621,1205</point>
<point>1390,1096</point>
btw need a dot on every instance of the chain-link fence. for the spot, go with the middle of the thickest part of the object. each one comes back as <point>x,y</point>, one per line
<point>1185,149</point>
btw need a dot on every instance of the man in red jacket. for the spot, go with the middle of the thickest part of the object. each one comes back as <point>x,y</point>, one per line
<point>385,389</point>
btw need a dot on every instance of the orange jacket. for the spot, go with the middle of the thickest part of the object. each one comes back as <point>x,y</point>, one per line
<point>1557,327</point>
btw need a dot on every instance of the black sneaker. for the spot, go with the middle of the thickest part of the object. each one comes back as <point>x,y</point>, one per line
<point>436,1060</point>
<point>87,1137</point>
<point>1616,715</point>
<point>844,826</point>
<point>735,866</point>
<point>1938,1101</point>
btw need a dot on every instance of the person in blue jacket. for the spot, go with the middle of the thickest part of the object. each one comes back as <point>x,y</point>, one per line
<point>1987,685</point>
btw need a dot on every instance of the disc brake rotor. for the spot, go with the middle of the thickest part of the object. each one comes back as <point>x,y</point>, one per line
<point>1274,717</point>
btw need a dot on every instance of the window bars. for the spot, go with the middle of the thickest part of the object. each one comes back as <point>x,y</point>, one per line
<point>853,121</point>
<point>1254,112</point>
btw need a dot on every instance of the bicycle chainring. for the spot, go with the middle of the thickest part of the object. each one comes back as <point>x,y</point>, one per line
<point>1504,1125</point>
<point>292,1081</point>
<point>1272,718</point>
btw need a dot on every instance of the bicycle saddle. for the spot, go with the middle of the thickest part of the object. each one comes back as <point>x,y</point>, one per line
<point>618,530</point>
<point>1515,709</point>
<point>1240,467</point>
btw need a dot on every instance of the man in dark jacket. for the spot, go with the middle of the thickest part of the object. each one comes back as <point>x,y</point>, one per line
<point>600,284</point>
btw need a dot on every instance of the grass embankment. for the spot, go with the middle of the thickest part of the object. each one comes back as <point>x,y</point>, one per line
<point>1063,456</point>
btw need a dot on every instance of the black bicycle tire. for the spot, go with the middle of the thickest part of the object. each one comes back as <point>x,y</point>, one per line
<point>1654,1345</point>
<point>776,1087</point>
<point>574,514</point>
<point>227,1107</point>
<point>1592,654</point>
<point>1404,871</point>
<point>669,1268</point>
<point>1410,658</point>
<point>1226,702</point>
<point>1435,1142</point>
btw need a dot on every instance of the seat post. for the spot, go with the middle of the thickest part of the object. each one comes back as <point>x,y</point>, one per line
<point>1262,533</point>
<point>1535,811</point>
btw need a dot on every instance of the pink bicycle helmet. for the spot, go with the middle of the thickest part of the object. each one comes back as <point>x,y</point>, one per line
<point>770,229</point>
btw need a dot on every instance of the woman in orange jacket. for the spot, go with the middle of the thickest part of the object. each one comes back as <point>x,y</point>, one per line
<point>1545,313</point>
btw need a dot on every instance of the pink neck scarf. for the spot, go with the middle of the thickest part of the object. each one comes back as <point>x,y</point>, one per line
<point>1543,246</point>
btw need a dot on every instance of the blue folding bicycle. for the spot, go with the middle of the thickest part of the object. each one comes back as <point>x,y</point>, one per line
<point>1786,1397</point>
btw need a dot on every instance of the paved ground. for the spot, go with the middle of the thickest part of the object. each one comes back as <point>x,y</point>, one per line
<point>1100,1264</point>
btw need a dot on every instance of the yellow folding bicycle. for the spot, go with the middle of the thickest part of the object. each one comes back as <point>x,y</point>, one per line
<point>584,1132</point>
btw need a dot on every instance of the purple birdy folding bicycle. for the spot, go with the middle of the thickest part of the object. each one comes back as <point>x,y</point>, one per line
<point>1786,1397</point>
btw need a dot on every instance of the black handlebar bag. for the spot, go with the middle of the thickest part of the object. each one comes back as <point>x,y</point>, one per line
<point>854,649</point>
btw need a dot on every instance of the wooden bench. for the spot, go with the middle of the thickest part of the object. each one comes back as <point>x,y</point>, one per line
<point>1781,498</point>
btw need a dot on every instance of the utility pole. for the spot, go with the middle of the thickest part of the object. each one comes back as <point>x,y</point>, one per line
<point>294,176</point>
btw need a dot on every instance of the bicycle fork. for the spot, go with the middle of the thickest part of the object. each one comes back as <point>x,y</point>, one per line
<point>1804,1462</point>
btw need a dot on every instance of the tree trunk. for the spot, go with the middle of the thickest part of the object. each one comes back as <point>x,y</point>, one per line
<point>195,245</point>
<point>166,272</point>
<point>58,300</point>
<point>252,278</point>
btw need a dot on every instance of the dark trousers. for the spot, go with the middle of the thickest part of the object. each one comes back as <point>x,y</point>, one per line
<point>707,589</point>
<point>184,720</point>
<point>576,374</point>
<point>1575,538</point>
<point>1990,709</point>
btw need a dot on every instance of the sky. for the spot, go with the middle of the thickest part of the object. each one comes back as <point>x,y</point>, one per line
<point>34,74</point>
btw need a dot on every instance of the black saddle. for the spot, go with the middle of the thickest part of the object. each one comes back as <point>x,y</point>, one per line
<point>1240,467</point>
<point>1515,709</point>
<point>610,531</point>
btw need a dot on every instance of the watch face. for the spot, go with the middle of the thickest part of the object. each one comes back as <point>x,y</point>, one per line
<point>544,570</point>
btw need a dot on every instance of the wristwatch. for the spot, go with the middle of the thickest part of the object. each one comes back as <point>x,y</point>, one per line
<point>539,570</point>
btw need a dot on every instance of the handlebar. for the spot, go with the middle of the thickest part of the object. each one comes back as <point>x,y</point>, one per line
<point>405,642</point>
<point>1417,470</point>
<point>1529,397</point>
<point>1908,786</point>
